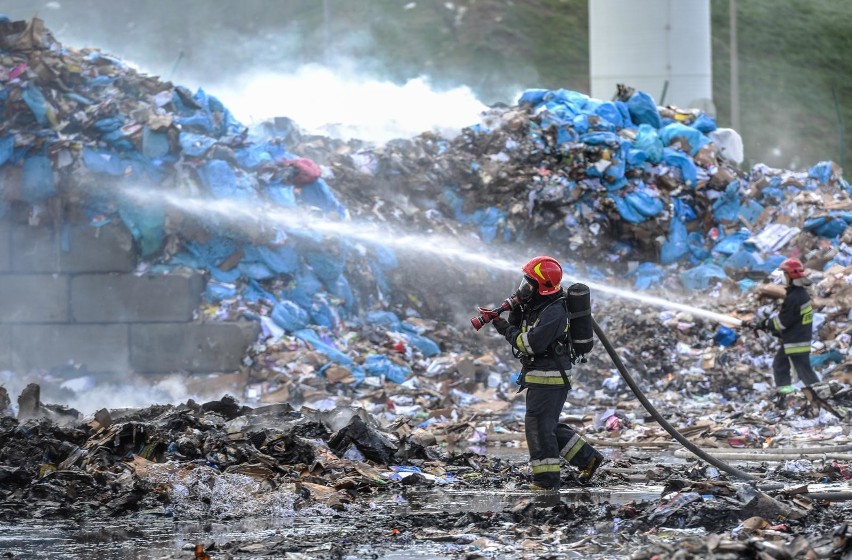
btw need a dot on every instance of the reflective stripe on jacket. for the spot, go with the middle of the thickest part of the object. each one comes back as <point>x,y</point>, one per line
<point>532,332</point>
<point>794,321</point>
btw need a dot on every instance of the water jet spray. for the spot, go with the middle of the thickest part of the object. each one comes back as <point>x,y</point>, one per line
<point>244,213</point>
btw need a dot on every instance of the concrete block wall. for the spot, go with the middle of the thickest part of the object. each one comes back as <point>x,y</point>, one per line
<point>71,296</point>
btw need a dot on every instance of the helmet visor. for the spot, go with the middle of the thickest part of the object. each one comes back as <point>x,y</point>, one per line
<point>527,289</point>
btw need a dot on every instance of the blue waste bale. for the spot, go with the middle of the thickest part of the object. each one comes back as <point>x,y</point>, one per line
<point>681,161</point>
<point>254,292</point>
<point>224,182</point>
<point>212,253</point>
<point>109,124</point>
<point>677,245</point>
<point>253,156</point>
<point>772,195</point>
<point>684,210</point>
<point>426,346</point>
<point>694,138</point>
<point>608,111</point>
<point>282,259</point>
<point>579,101</point>
<point>213,118</point>
<point>319,194</point>
<point>705,123</point>
<point>488,221</point>
<point>289,316</point>
<point>282,195</point>
<point>626,121</point>
<point>566,135</point>
<point>725,336</point>
<point>386,319</point>
<point>826,226</point>
<point>580,124</point>
<point>731,243</point>
<point>326,266</point>
<point>255,270</point>
<point>322,313</point>
<point>341,289</point>
<point>751,210</point>
<point>37,182</point>
<point>323,347</point>
<point>647,275</point>
<point>769,264</point>
<point>304,286</point>
<point>195,145</point>
<point>743,259</point>
<point>636,158</point>
<point>217,291</point>
<point>822,172</point>
<point>697,246</point>
<point>100,161</point>
<point>701,277</point>
<point>600,138</point>
<point>155,145</point>
<point>36,103</point>
<point>100,81</point>
<point>117,141</point>
<point>379,365</point>
<point>727,206</point>
<point>627,212</point>
<point>532,96</point>
<point>643,109</point>
<point>648,141</point>
<point>644,203</point>
<point>7,148</point>
<point>820,360</point>
<point>146,224</point>
<point>615,172</point>
<point>746,285</point>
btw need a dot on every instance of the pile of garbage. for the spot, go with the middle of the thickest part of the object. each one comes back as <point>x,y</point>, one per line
<point>618,188</point>
<point>372,351</point>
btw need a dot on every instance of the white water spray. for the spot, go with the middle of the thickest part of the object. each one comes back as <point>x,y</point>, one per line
<point>248,214</point>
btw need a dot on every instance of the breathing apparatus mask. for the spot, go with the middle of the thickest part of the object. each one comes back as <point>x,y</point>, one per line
<point>527,289</point>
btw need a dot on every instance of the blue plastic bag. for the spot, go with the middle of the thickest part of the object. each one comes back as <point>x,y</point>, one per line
<point>643,109</point>
<point>626,211</point>
<point>644,203</point>
<point>648,141</point>
<point>693,137</point>
<point>701,277</point>
<point>647,275</point>
<point>323,347</point>
<point>725,336</point>
<point>380,365</point>
<point>727,206</point>
<point>681,161</point>
<point>677,245</point>
<point>387,319</point>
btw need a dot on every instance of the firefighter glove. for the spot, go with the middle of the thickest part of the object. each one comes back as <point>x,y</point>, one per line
<point>501,324</point>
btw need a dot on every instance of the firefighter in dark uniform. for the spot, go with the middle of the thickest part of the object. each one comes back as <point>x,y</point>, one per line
<point>536,329</point>
<point>793,324</point>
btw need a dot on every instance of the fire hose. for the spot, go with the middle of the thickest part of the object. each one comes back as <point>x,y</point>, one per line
<point>697,451</point>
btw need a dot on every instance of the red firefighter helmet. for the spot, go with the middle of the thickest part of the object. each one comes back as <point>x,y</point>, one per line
<point>793,268</point>
<point>547,274</point>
